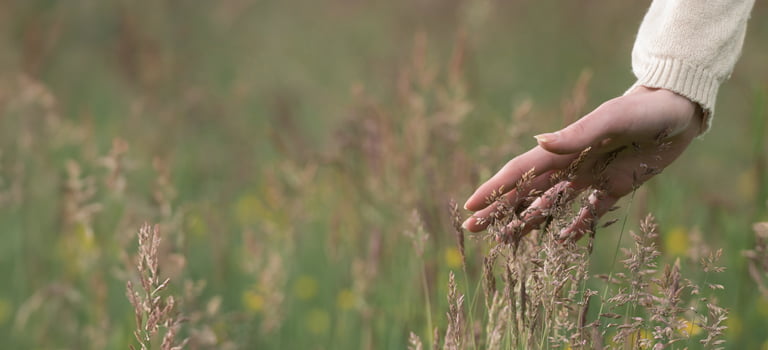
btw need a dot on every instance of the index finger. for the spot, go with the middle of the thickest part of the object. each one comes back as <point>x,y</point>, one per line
<point>505,179</point>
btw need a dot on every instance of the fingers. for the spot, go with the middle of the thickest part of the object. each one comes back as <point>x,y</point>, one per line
<point>643,115</point>
<point>585,132</point>
<point>481,219</point>
<point>599,204</point>
<point>541,209</point>
<point>537,159</point>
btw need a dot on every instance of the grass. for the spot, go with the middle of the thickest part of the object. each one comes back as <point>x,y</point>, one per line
<point>283,149</point>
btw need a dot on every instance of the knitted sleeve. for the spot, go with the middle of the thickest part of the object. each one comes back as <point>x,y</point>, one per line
<point>690,47</point>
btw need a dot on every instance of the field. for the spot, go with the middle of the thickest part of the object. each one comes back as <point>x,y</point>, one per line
<point>300,160</point>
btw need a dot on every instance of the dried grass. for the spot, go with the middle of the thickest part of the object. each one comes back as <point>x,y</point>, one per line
<point>758,258</point>
<point>155,313</point>
<point>544,301</point>
<point>405,162</point>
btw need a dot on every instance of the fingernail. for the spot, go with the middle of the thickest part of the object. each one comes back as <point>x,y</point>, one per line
<point>465,224</point>
<point>546,138</point>
<point>469,200</point>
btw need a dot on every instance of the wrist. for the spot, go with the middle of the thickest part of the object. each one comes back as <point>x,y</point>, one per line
<point>690,108</point>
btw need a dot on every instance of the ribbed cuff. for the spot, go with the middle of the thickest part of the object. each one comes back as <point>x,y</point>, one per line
<point>695,83</point>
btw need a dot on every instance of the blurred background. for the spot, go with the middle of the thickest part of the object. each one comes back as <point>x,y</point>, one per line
<point>287,148</point>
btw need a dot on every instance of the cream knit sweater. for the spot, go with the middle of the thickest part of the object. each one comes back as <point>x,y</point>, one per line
<point>690,47</point>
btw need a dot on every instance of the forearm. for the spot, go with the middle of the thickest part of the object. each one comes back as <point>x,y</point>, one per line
<point>690,47</point>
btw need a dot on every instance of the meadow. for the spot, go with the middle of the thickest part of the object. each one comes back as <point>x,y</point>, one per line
<point>301,162</point>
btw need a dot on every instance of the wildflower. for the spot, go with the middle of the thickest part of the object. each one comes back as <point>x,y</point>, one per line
<point>318,321</point>
<point>195,224</point>
<point>690,328</point>
<point>346,299</point>
<point>676,241</point>
<point>253,300</point>
<point>85,238</point>
<point>747,184</point>
<point>249,209</point>
<point>762,307</point>
<point>78,249</point>
<point>5,311</point>
<point>734,324</point>
<point>305,287</point>
<point>452,257</point>
<point>644,337</point>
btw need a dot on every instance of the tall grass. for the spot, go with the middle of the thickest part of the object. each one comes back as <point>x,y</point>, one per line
<point>285,164</point>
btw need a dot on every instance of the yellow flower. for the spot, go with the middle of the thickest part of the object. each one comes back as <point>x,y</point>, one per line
<point>452,257</point>
<point>253,301</point>
<point>195,224</point>
<point>318,321</point>
<point>690,328</point>
<point>249,210</point>
<point>305,287</point>
<point>676,241</point>
<point>642,336</point>
<point>5,311</point>
<point>762,307</point>
<point>86,238</point>
<point>765,345</point>
<point>346,299</point>
<point>645,334</point>
<point>734,325</point>
<point>747,184</point>
<point>78,249</point>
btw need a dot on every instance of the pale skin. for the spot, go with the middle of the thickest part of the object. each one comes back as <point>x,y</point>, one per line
<point>643,132</point>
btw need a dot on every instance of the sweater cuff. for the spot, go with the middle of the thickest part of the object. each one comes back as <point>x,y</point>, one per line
<point>695,83</point>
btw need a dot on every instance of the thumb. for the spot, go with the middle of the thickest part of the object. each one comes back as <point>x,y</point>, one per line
<point>583,133</point>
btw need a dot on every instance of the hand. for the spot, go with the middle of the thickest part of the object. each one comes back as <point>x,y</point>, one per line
<point>632,138</point>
